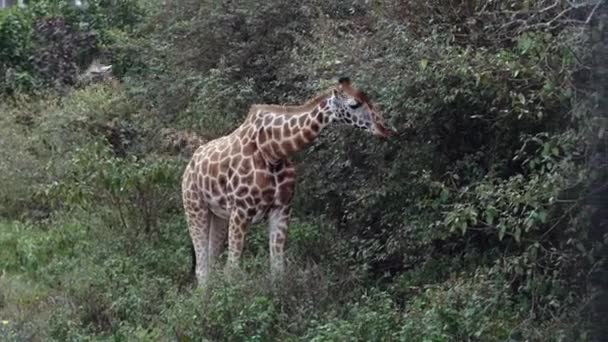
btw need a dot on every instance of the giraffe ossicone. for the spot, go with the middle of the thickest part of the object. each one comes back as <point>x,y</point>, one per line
<point>245,177</point>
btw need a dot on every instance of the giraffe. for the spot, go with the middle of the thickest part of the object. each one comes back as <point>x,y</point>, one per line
<point>246,177</point>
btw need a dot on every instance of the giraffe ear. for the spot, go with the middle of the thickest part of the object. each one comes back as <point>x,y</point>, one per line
<point>334,92</point>
<point>344,81</point>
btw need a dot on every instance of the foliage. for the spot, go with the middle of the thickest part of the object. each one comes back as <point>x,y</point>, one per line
<point>40,136</point>
<point>137,191</point>
<point>478,221</point>
<point>47,43</point>
<point>15,46</point>
<point>373,318</point>
<point>58,61</point>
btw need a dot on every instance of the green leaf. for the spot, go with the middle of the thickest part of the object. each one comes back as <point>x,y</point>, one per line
<point>580,247</point>
<point>423,63</point>
<point>521,98</point>
<point>489,214</point>
<point>444,195</point>
<point>542,216</point>
<point>524,44</point>
<point>502,229</point>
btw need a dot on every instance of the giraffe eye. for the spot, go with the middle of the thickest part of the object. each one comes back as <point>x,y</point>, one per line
<point>356,105</point>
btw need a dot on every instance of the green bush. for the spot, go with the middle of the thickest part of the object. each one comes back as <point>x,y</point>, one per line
<point>16,45</point>
<point>136,192</point>
<point>209,109</point>
<point>464,309</point>
<point>20,163</point>
<point>47,43</point>
<point>40,134</point>
<point>475,222</point>
<point>232,312</point>
<point>15,31</point>
<point>58,63</point>
<point>28,251</point>
<point>373,317</point>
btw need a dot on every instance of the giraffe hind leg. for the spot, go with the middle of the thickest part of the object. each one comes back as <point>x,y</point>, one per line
<point>278,223</point>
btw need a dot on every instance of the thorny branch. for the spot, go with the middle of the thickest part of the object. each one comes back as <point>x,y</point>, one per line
<point>529,24</point>
<point>599,2</point>
<point>491,22</point>
<point>512,22</point>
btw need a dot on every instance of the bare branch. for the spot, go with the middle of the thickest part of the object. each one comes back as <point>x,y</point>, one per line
<point>561,14</point>
<point>599,2</point>
<point>548,8</point>
<point>483,9</point>
<point>585,4</point>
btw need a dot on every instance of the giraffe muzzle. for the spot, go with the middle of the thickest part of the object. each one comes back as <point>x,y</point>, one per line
<point>382,131</point>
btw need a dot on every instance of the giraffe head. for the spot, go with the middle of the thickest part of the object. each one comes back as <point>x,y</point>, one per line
<point>352,107</point>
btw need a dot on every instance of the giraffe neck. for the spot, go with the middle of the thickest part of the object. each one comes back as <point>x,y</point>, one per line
<point>281,134</point>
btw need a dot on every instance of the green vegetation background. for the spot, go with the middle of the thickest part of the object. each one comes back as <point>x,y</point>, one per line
<point>480,221</point>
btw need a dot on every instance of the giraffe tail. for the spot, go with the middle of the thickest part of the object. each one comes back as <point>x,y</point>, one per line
<point>193,267</point>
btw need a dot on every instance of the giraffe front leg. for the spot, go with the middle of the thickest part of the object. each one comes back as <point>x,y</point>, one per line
<point>198,226</point>
<point>278,223</point>
<point>218,231</point>
<point>237,229</point>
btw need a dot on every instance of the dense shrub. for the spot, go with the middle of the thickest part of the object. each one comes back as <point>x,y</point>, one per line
<point>47,43</point>
<point>39,137</point>
<point>60,48</point>
<point>136,192</point>
<point>16,46</point>
<point>478,221</point>
<point>207,72</point>
<point>373,317</point>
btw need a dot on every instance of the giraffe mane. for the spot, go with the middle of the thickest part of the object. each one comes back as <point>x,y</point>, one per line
<point>292,109</point>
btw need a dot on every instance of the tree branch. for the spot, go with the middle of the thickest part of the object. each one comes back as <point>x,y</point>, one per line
<point>599,2</point>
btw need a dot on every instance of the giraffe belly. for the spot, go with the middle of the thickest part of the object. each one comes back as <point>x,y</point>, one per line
<point>219,211</point>
<point>261,211</point>
<point>260,215</point>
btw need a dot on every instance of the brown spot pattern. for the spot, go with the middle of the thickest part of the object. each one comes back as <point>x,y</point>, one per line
<point>246,175</point>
